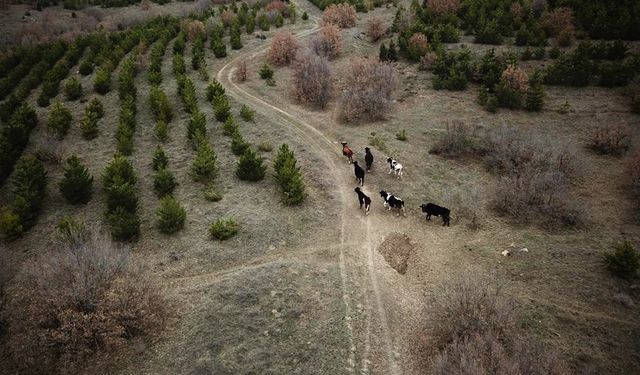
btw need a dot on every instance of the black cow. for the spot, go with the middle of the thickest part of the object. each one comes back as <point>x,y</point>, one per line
<point>364,200</point>
<point>435,210</point>
<point>392,201</point>
<point>359,172</point>
<point>368,158</point>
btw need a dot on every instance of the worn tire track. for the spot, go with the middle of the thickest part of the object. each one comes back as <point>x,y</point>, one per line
<point>328,151</point>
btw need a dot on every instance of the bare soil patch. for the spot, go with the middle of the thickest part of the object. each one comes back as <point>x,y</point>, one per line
<point>396,250</point>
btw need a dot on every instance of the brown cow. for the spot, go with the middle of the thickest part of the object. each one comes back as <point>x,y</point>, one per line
<point>346,151</point>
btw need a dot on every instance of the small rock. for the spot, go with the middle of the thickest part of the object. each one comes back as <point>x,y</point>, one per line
<point>506,253</point>
<point>271,247</point>
<point>524,249</point>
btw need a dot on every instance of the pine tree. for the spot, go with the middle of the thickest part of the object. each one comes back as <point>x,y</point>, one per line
<point>160,160</point>
<point>214,89</point>
<point>251,24</point>
<point>397,20</point>
<point>305,16</point>
<point>218,47</point>
<point>250,166</point>
<point>171,215</point>
<point>230,127</point>
<point>89,126</point>
<point>59,120</point>
<point>238,144</point>
<point>236,40</point>
<point>287,173</point>
<point>221,108</point>
<point>204,167</point>
<point>384,54</point>
<point>264,23</point>
<point>535,93</point>
<point>77,183</point>
<point>197,126</point>
<point>279,21</point>
<point>392,53</point>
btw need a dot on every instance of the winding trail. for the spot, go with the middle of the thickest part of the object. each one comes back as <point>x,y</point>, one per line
<point>385,360</point>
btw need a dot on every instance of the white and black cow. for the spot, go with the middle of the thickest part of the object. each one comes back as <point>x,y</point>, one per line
<point>435,210</point>
<point>364,200</point>
<point>359,172</point>
<point>368,158</point>
<point>396,167</point>
<point>392,201</point>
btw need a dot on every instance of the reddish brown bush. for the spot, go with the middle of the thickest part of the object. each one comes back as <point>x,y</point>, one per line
<point>376,29</point>
<point>81,299</point>
<point>611,139</point>
<point>341,15</point>
<point>195,29</point>
<point>515,79</point>
<point>227,16</point>
<point>367,91</point>
<point>241,71</point>
<point>440,7</point>
<point>312,82</point>
<point>517,12</point>
<point>283,49</point>
<point>277,5</point>
<point>418,46</point>
<point>557,20</point>
<point>327,42</point>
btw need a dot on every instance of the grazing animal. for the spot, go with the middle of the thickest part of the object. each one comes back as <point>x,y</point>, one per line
<point>364,200</point>
<point>368,158</point>
<point>392,201</point>
<point>359,172</point>
<point>396,167</point>
<point>346,151</point>
<point>435,210</point>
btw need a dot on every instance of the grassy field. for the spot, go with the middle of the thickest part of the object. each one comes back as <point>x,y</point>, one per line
<point>305,290</point>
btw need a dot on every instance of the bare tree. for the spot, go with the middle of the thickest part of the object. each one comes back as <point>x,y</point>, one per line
<point>327,42</point>
<point>283,49</point>
<point>367,91</point>
<point>341,15</point>
<point>312,81</point>
<point>241,71</point>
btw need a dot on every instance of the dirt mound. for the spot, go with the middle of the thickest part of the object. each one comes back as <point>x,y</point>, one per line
<point>396,250</point>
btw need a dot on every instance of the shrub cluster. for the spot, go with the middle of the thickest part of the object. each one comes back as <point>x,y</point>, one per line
<point>312,80</point>
<point>283,49</point>
<point>160,106</point>
<point>157,54</point>
<point>327,42</point>
<point>368,90</point>
<point>610,139</point>
<point>246,113</point>
<point>82,298</point>
<point>341,15</point>
<point>475,328</point>
<point>197,49</point>
<point>624,262</point>
<point>223,229</point>
<point>453,70</point>
<point>27,194</point>
<point>187,92</point>
<point>288,176</point>
<point>119,181</point>
<point>388,53</point>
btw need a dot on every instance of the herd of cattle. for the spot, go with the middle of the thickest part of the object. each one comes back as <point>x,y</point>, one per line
<point>389,200</point>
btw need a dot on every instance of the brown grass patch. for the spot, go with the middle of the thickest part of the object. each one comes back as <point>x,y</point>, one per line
<point>396,250</point>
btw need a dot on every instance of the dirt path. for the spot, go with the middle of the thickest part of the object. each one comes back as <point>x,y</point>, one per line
<point>377,348</point>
